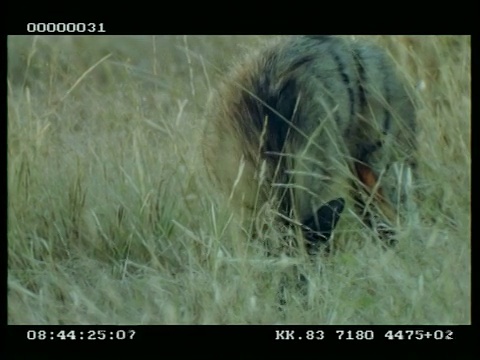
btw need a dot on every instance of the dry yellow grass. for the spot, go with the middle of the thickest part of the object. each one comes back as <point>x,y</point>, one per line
<point>111,220</point>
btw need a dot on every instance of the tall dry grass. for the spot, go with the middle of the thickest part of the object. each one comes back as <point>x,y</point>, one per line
<point>111,219</point>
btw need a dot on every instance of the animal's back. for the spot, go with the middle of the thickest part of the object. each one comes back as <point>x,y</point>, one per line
<point>294,121</point>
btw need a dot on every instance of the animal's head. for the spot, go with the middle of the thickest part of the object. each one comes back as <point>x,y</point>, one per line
<point>318,228</point>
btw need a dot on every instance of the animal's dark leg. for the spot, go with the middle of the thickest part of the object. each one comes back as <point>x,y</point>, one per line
<point>371,218</point>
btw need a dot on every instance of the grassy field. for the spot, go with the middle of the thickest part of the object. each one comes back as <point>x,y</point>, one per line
<point>111,219</point>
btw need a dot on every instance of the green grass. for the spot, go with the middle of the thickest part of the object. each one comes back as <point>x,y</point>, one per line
<point>111,219</point>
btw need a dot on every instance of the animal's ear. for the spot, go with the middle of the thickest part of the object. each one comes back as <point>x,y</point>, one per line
<point>319,227</point>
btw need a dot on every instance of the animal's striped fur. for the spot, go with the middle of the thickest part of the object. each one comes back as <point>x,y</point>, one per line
<point>299,120</point>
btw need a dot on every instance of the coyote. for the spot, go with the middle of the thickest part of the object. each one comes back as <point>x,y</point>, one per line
<point>304,122</point>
